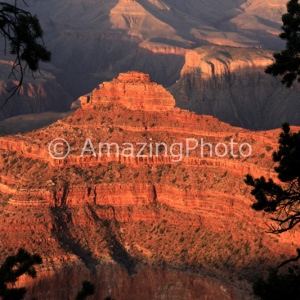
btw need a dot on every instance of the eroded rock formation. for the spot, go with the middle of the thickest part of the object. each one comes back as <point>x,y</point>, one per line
<point>151,36</point>
<point>147,227</point>
<point>133,90</point>
<point>229,83</point>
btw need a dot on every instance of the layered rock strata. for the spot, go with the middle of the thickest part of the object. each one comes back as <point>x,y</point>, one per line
<point>116,221</point>
<point>133,90</point>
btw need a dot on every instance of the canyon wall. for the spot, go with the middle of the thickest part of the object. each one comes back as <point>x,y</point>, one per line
<point>230,84</point>
<point>148,36</point>
<point>38,94</point>
<point>138,227</point>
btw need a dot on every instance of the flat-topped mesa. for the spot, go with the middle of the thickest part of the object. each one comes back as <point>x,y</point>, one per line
<point>133,90</point>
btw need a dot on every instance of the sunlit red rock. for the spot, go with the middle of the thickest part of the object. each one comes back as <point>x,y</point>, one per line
<point>119,221</point>
<point>133,90</point>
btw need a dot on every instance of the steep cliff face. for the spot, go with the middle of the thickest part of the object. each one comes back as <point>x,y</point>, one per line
<point>39,94</point>
<point>230,84</point>
<point>150,226</point>
<point>133,90</point>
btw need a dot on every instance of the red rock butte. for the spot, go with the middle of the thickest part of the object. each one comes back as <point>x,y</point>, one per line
<point>133,90</point>
<point>117,221</point>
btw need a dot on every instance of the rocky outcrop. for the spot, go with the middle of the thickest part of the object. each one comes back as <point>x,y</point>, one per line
<point>133,90</point>
<point>216,62</point>
<point>118,221</point>
<point>230,84</point>
<point>164,49</point>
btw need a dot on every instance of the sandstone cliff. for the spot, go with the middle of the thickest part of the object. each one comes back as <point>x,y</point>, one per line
<point>138,227</point>
<point>230,84</point>
<point>132,90</point>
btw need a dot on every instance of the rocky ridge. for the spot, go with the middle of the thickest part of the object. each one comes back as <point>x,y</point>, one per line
<point>118,221</point>
<point>229,83</point>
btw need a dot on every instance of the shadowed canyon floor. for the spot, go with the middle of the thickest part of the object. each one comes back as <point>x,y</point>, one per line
<point>143,227</point>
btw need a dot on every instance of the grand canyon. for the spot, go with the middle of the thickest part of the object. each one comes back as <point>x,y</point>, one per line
<point>94,41</point>
<point>138,226</point>
<point>161,225</point>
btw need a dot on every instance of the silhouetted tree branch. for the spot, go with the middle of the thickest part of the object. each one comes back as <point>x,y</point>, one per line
<point>287,62</point>
<point>87,289</point>
<point>14,267</point>
<point>281,201</point>
<point>293,259</point>
<point>23,34</point>
<point>278,286</point>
